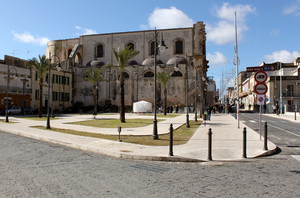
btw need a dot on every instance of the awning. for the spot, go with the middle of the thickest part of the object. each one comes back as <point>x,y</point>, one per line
<point>95,63</point>
<point>177,61</point>
<point>132,62</point>
<point>74,51</point>
<point>150,62</point>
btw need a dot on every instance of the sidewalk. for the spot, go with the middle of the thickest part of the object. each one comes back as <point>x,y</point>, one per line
<point>227,141</point>
<point>287,116</point>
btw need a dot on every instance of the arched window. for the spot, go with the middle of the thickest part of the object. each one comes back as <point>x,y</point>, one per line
<point>69,51</point>
<point>126,75</point>
<point>99,51</point>
<point>130,45</point>
<point>176,74</point>
<point>77,59</point>
<point>149,74</point>
<point>178,47</point>
<point>152,48</point>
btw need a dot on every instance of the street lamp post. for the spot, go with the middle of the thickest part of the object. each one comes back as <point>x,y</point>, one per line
<point>182,60</point>
<point>196,96</point>
<point>7,89</point>
<point>48,103</point>
<point>187,123</point>
<point>162,46</point>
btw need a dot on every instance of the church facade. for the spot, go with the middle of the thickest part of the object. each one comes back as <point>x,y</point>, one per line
<point>184,59</point>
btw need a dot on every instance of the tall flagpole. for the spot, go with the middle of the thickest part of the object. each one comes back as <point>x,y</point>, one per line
<point>237,73</point>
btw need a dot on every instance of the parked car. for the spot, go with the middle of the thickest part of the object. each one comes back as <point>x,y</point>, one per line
<point>14,110</point>
<point>29,110</point>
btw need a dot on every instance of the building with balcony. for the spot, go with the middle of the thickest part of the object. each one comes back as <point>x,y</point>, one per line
<point>283,84</point>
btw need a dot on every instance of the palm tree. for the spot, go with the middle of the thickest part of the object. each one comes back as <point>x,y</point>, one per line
<point>123,56</point>
<point>41,67</point>
<point>94,75</point>
<point>163,77</point>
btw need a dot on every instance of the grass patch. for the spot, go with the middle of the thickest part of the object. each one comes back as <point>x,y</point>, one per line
<point>113,123</point>
<point>180,135</point>
<point>10,122</point>
<point>160,115</point>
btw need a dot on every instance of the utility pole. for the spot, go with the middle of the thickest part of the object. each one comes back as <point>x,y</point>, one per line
<point>237,74</point>
<point>280,89</point>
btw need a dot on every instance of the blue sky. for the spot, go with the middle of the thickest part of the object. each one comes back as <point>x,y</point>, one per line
<point>268,30</point>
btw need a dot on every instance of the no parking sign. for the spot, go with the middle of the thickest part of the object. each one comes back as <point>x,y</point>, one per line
<point>260,99</point>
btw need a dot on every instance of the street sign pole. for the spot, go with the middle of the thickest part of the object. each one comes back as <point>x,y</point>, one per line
<point>259,123</point>
<point>260,102</point>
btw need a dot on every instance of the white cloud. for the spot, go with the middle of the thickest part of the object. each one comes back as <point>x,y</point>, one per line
<point>226,12</point>
<point>85,31</point>
<point>168,18</point>
<point>216,59</point>
<point>293,9</point>
<point>28,38</point>
<point>282,56</point>
<point>223,31</point>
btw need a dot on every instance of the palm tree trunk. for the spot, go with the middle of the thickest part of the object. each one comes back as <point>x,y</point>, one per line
<point>165,101</point>
<point>122,106</point>
<point>41,98</point>
<point>95,100</point>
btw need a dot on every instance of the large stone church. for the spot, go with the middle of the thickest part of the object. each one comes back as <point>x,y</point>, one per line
<point>185,59</point>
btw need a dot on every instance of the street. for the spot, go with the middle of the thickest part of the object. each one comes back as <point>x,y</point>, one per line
<point>284,133</point>
<point>32,168</point>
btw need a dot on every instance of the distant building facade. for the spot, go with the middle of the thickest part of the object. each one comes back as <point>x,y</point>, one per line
<point>186,49</point>
<point>24,89</point>
<point>284,80</point>
<point>19,83</point>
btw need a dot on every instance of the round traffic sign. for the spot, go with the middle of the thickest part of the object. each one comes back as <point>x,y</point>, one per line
<point>260,88</point>
<point>260,76</point>
<point>261,99</point>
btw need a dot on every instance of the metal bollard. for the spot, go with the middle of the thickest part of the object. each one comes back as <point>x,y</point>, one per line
<point>266,136</point>
<point>209,144</point>
<point>196,116</point>
<point>204,119</point>
<point>244,143</point>
<point>119,130</point>
<point>171,140</point>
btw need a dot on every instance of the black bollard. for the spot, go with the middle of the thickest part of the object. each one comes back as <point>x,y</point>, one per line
<point>209,144</point>
<point>119,130</point>
<point>266,137</point>
<point>244,143</point>
<point>171,141</point>
<point>196,116</point>
<point>204,118</point>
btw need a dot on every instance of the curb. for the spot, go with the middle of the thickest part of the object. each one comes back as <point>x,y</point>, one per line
<point>160,158</point>
<point>268,153</point>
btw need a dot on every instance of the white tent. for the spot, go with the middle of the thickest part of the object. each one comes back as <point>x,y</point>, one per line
<point>142,107</point>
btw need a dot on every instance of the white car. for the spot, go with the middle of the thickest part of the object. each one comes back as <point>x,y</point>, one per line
<point>14,110</point>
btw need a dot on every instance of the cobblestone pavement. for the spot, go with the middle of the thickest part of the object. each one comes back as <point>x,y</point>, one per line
<point>30,168</point>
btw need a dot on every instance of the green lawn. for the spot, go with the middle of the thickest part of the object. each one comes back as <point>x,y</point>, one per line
<point>113,123</point>
<point>10,122</point>
<point>180,135</point>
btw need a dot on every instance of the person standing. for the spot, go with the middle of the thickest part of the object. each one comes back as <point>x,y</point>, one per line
<point>209,109</point>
